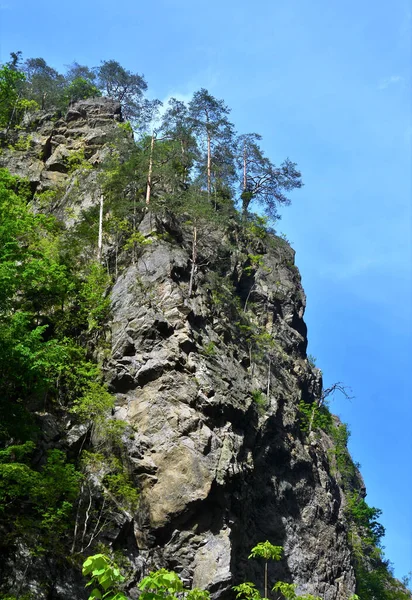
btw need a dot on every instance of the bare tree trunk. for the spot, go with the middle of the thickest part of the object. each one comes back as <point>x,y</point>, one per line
<point>182,146</point>
<point>247,297</point>
<point>244,168</point>
<point>86,520</point>
<point>100,240</point>
<point>266,579</point>
<point>209,165</point>
<point>252,364</point>
<point>96,531</point>
<point>215,191</point>
<point>194,260</point>
<point>312,417</point>
<point>76,524</point>
<point>149,174</point>
<point>269,373</point>
<point>12,114</point>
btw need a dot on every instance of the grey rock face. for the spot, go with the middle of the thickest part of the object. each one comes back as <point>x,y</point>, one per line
<point>216,474</point>
<point>40,151</point>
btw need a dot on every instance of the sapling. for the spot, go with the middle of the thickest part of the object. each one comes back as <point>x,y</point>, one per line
<point>267,551</point>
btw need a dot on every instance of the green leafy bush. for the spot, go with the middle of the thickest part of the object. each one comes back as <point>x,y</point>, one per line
<point>210,349</point>
<point>313,417</point>
<point>105,576</point>
<point>76,160</point>
<point>260,399</point>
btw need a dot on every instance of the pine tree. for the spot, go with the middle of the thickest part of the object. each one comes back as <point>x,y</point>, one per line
<point>209,119</point>
<point>261,180</point>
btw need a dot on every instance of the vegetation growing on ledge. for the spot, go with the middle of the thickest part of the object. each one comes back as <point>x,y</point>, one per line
<point>194,144</point>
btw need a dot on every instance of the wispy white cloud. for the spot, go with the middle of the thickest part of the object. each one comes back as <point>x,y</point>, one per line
<point>392,80</point>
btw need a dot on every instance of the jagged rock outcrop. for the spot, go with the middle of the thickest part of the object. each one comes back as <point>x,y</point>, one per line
<point>41,150</point>
<point>216,450</point>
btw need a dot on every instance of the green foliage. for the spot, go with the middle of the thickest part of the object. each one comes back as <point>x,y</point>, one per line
<point>177,126</point>
<point>255,262</point>
<point>23,143</point>
<point>11,82</point>
<point>80,89</point>
<point>208,117</point>
<point>95,403</point>
<point>107,580</point>
<point>374,580</point>
<point>262,182</point>
<point>373,575</point>
<point>365,517</point>
<point>105,577</point>
<point>20,597</point>
<point>77,161</point>
<point>135,240</point>
<point>247,590</point>
<point>312,361</point>
<point>160,584</point>
<point>340,457</point>
<point>43,84</point>
<point>288,591</point>
<point>94,303</point>
<point>260,399</point>
<point>256,227</point>
<point>223,295</point>
<point>47,495</point>
<point>45,199</point>
<point>122,489</point>
<point>113,475</point>
<point>313,416</point>
<point>267,551</point>
<point>210,349</point>
<point>126,127</point>
<point>197,594</point>
<point>44,298</point>
<point>164,585</point>
<point>258,340</point>
<point>126,87</point>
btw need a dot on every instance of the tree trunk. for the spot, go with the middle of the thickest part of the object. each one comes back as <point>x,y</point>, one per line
<point>266,579</point>
<point>269,374</point>
<point>244,168</point>
<point>182,147</point>
<point>12,114</point>
<point>149,174</point>
<point>194,261</point>
<point>209,165</point>
<point>312,418</point>
<point>100,240</point>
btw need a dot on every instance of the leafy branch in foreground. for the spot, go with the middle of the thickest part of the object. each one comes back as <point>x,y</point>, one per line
<point>105,577</point>
<point>158,585</point>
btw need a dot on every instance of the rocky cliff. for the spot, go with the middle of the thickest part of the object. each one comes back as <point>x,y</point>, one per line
<point>209,385</point>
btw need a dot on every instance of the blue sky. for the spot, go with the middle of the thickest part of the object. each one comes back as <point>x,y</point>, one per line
<point>329,85</point>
